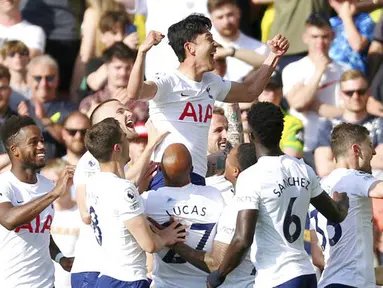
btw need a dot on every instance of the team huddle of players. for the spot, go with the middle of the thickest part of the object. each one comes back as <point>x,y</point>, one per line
<point>196,239</point>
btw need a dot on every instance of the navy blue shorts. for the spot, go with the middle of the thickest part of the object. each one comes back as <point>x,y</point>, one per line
<point>109,282</point>
<point>84,279</point>
<point>338,286</point>
<point>158,181</point>
<point>304,281</point>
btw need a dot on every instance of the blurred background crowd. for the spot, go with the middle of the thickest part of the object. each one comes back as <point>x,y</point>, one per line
<point>60,58</point>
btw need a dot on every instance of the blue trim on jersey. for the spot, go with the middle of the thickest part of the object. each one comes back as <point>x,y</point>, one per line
<point>84,279</point>
<point>109,282</point>
<point>158,181</point>
<point>306,281</point>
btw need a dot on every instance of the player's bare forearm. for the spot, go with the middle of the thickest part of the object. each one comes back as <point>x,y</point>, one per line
<point>335,211</point>
<point>136,79</point>
<point>195,257</point>
<point>259,79</point>
<point>136,173</point>
<point>53,248</point>
<point>357,42</point>
<point>242,240</point>
<point>235,129</point>
<point>12,217</point>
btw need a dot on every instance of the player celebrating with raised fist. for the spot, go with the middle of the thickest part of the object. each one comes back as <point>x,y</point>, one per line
<point>182,101</point>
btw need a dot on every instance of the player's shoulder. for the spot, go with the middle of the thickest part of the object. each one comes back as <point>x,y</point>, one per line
<point>170,76</point>
<point>87,161</point>
<point>209,191</point>
<point>210,77</point>
<point>6,180</point>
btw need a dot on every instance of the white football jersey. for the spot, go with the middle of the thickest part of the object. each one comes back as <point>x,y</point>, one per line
<point>87,250</point>
<point>349,255</point>
<point>185,108</point>
<point>25,260</point>
<point>200,207</point>
<point>112,201</point>
<point>280,188</point>
<point>244,275</point>
<point>223,185</point>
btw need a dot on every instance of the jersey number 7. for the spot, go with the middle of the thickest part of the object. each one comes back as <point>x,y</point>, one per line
<point>171,257</point>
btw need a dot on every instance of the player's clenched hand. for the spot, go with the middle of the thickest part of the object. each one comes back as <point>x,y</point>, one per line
<point>174,233</point>
<point>153,39</point>
<point>343,202</point>
<point>65,181</point>
<point>66,263</point>
<point>278,45</point>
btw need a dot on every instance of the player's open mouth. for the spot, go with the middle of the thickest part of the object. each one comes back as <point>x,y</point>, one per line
<point>129,124</point>
<point>222,145</point>
<point>41,155</point>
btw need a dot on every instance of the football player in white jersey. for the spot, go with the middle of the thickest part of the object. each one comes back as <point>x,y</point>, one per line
<point>349,256</point>
<point>183,101</point>
<point>86,264</point>
<point>199,206</point>
<point>275,194</point>
<point>240,158</point>
<point>116,210</point>
<point>26,209</point>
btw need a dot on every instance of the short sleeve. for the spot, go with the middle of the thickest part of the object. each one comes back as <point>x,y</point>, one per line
<point>360,184</point>
<point>366,26</point>
<point>314,187</point>
<point>222,86</point>
<point>85,168</point>
<point>36,39</point>
<point>290,77</point>
<point>129,202</point>
<point>164,85</point>
<point>247,194</point>
<point>226,224</point>
<point>324,133</point>
<point>5,193</point>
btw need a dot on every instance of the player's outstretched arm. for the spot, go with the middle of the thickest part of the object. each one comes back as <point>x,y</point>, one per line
<point>137,172</point>
<point>254,85</point>
<point>242,240</point>
<point>138,89</point>
<point>12,217</point>
<point>335,209</point>
<point>152,242</point>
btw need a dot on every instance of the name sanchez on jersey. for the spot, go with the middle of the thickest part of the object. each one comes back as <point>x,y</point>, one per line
<point>291,181</point>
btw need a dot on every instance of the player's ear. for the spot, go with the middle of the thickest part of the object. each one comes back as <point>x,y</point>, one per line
<point>236,172</point>
<point>356,150</point>
<point>116,148</point>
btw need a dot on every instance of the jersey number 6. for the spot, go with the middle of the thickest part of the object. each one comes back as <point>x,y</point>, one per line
<point>289,219</point>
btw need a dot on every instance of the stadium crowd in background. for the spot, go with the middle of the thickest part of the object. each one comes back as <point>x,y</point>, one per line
<point>191,143</point>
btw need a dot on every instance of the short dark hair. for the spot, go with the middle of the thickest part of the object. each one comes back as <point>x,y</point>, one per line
<point>4,73</point>
<point>12,126</point>
<point>215,4</point>
<point>110,21</point>
<point>120,51</point>
<point>346,134</point>
<point>186,31</point>
<point>246,155</point>
<point>266,122</point>
<point>320,20</point>
<point>101,137</point>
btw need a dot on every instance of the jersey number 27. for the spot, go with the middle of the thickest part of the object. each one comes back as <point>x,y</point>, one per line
<point>171,257</point>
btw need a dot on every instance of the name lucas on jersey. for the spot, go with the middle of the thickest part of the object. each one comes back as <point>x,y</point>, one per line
<point>187,210</point>
<point>291,181</point>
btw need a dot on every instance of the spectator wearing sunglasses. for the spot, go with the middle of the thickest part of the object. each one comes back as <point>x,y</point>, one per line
<point>75,127</point>
<point>15,55</point>
<point>354,93</point>
<point>44,107</point>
